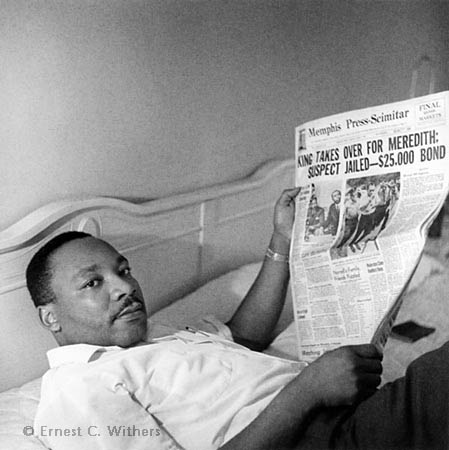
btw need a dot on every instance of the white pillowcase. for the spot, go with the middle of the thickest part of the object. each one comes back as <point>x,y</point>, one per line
<point>18,407</point>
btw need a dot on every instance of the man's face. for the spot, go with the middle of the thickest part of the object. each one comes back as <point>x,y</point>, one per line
<point>98,301</point>
<point>336,197</point>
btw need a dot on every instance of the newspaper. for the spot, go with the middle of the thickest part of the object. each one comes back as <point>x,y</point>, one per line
<point>372,181</point>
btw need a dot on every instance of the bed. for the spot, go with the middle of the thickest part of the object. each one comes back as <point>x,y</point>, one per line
<point>194,254</point>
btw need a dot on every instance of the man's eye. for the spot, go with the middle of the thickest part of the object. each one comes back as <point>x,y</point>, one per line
<point>91,283</point>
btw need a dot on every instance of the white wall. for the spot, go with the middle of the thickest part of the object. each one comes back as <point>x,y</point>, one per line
<point>147,98</point>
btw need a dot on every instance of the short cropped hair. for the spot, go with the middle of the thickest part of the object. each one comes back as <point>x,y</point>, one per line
<point>39,272</point>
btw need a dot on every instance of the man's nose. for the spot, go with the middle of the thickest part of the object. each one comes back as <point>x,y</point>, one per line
<point>121,288</point>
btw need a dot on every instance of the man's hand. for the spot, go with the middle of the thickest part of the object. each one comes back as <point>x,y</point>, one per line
<point>345,375</point>
<point>339,377</point>
<point>284,213</point>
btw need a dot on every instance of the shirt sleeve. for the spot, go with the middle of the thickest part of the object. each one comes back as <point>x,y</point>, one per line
<point>97,415</point>
<point>212,325</point>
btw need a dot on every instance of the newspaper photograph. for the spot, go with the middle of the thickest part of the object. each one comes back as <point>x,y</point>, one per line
<point>372,181</point>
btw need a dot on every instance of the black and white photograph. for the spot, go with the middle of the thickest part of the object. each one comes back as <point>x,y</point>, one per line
<point>369,205</point>
<point>151,296</point>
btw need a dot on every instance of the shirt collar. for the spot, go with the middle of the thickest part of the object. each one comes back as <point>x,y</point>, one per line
<point>75,353</point>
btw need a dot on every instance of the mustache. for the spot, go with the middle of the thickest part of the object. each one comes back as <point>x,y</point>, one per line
<point>130,303</point>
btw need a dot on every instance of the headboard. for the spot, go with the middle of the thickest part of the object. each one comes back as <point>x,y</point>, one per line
<point>174,244</point>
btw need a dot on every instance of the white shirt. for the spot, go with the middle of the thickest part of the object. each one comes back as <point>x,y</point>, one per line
<point>190,390</point>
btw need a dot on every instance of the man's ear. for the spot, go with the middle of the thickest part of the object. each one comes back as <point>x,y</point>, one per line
<point>48,317</point>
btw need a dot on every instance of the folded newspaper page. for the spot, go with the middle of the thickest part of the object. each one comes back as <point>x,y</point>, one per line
<point>372,181</point>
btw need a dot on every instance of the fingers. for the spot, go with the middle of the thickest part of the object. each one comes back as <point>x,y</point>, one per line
<point>288,195</point>
<point>367,351</point>
<point>284,212</point>
<point>347,374</point>
<point>368,360</point>
<point>368,368</point>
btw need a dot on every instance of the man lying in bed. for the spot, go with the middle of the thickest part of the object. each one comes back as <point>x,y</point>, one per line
<point>111,386</point>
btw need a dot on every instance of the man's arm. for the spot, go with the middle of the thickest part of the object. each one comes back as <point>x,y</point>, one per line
<point>254,321</point>
<point>340,377</point>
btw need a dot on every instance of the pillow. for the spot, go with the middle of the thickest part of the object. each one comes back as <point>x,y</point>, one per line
<point>18,407</point>
<point>220,298</point>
